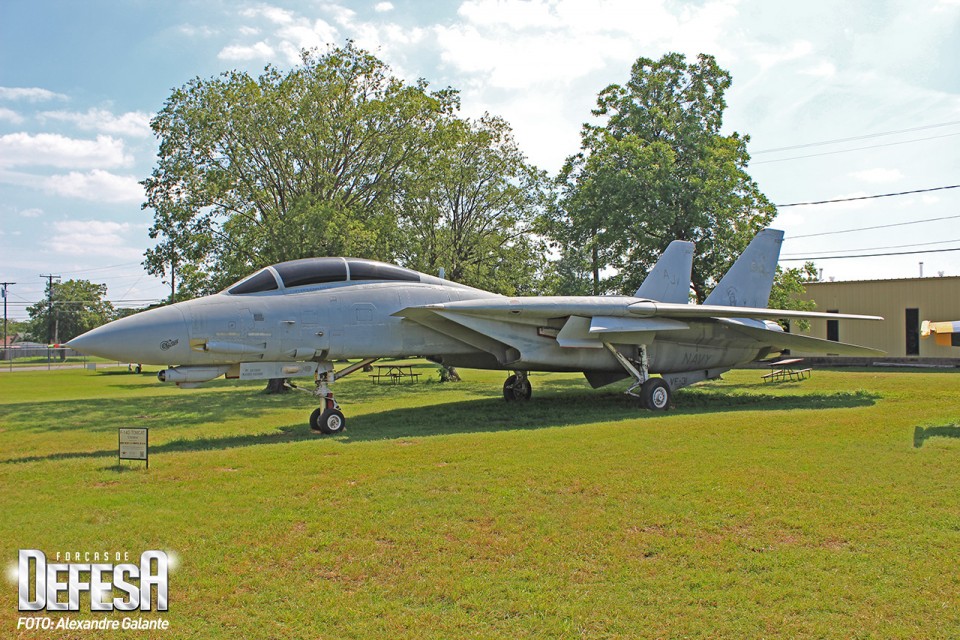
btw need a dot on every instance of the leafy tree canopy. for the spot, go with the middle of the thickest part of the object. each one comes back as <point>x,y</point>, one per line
<point>253,171</point>
<point>657,169</point>
<point>335,157</point>
<point>78,306</point>
<point>788,287</point>
<point>474,213</point>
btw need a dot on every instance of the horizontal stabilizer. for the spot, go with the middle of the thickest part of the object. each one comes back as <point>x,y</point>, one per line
<point>805,344</point>
<point>647,309</point>
<point>669,280</point>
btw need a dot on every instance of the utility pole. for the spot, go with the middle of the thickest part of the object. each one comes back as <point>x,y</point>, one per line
<point>173,280</point>
<point>50,330</point>
<point>6,347</point>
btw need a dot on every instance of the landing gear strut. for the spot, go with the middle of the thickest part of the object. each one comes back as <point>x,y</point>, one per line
<point>328,419</point>
<point>654,393</point>
<point>517,387</point>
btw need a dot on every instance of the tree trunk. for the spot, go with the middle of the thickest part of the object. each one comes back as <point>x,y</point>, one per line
<point>276,385</point>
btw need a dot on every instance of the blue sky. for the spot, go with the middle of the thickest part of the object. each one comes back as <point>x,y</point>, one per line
<point>79,82</point>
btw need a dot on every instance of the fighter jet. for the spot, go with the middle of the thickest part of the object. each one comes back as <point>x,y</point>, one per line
<point>297,318</point>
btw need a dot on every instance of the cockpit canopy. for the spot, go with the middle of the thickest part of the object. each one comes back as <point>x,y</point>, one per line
<point>312,271</point>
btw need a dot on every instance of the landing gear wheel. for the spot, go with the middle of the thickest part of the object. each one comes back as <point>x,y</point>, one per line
<point>655,394</point>
<point>517,388</point>
<point>328,421</point>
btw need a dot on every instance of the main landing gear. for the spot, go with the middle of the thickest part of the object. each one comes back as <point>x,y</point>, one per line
<point>328,418</point>
<point>517,387</point>
<point>654,393</point>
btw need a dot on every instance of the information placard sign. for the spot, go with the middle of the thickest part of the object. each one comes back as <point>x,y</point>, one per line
<point>132,444</point>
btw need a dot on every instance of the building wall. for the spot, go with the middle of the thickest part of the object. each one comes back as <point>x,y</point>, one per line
<point>937,299</point>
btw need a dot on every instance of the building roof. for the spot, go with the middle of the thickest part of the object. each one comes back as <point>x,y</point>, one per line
<point>926,279</point>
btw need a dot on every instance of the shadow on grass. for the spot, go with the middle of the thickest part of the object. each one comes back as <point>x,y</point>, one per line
<point>157,412</point>
<point>484,415</point>
<point>571,409</point>
<point>922,434</point>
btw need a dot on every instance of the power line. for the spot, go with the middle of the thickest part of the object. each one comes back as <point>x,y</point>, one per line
<point>869,255</point>
<point>881,226</point>
<point>880,195</point>
<point>855,138</point>
<point>872,146</point>
<point>897,246</point>
<point>110,266</point>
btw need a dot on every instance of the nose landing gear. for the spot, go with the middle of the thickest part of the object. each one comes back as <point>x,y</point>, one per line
<point>328,418</point>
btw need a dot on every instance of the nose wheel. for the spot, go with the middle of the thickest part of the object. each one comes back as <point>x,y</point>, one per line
<point>327,419</point>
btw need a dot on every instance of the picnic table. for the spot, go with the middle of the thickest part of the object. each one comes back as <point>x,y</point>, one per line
<point>394,373</point>
<point>782,370</point>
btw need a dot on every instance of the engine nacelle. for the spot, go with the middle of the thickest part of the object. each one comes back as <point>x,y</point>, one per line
<point>191,375</point>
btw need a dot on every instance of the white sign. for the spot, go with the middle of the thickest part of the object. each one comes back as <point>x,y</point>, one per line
<point>133,443</point>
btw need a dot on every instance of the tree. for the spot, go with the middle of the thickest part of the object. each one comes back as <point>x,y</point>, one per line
<point>657,169</point>
<point>469,207</point>
<point>308,163</point>
<point>787,289</point>
<point>78,306</point>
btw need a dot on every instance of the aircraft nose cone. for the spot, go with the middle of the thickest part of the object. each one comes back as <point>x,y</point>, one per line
<point>149,337</point>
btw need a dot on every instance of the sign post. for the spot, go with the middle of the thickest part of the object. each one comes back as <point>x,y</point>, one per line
<point>133,444</point>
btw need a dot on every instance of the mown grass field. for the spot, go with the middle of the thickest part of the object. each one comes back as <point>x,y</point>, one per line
<point>823,508</point>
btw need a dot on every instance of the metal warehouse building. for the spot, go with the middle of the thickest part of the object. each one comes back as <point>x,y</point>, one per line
<point>904,304</point>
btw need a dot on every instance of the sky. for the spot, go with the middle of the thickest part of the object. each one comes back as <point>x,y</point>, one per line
<point>840,99</point>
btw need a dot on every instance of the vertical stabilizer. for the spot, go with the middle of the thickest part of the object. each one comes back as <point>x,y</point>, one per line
<point>749,280</point>
<point>669,280</point>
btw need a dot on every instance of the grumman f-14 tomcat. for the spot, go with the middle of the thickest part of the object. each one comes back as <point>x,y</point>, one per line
<point>297,318</point>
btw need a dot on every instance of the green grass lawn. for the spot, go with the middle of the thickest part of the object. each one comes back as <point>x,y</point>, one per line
<point>823,508</point>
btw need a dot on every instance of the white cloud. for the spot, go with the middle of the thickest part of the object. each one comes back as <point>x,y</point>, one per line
<point>96,185</point>
<point>29,94</point>
<point>770,57</point>
<point>878,175</point>
<point>305,34</point>
<point>93,237</point>
<point>275,15</point>
<point>514,44</point>
<point>11,116</point>
<point>31,213</point>
<point>194,31</point>
<point>132,123</point>
<point>824,69</point>
<point>383,7</point>
<point>54,150</point>
<point>256,51</point>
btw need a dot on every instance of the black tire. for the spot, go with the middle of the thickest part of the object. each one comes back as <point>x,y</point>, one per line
<point>327,421</point>
<point>655,394</point>
<point>517,389</point>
